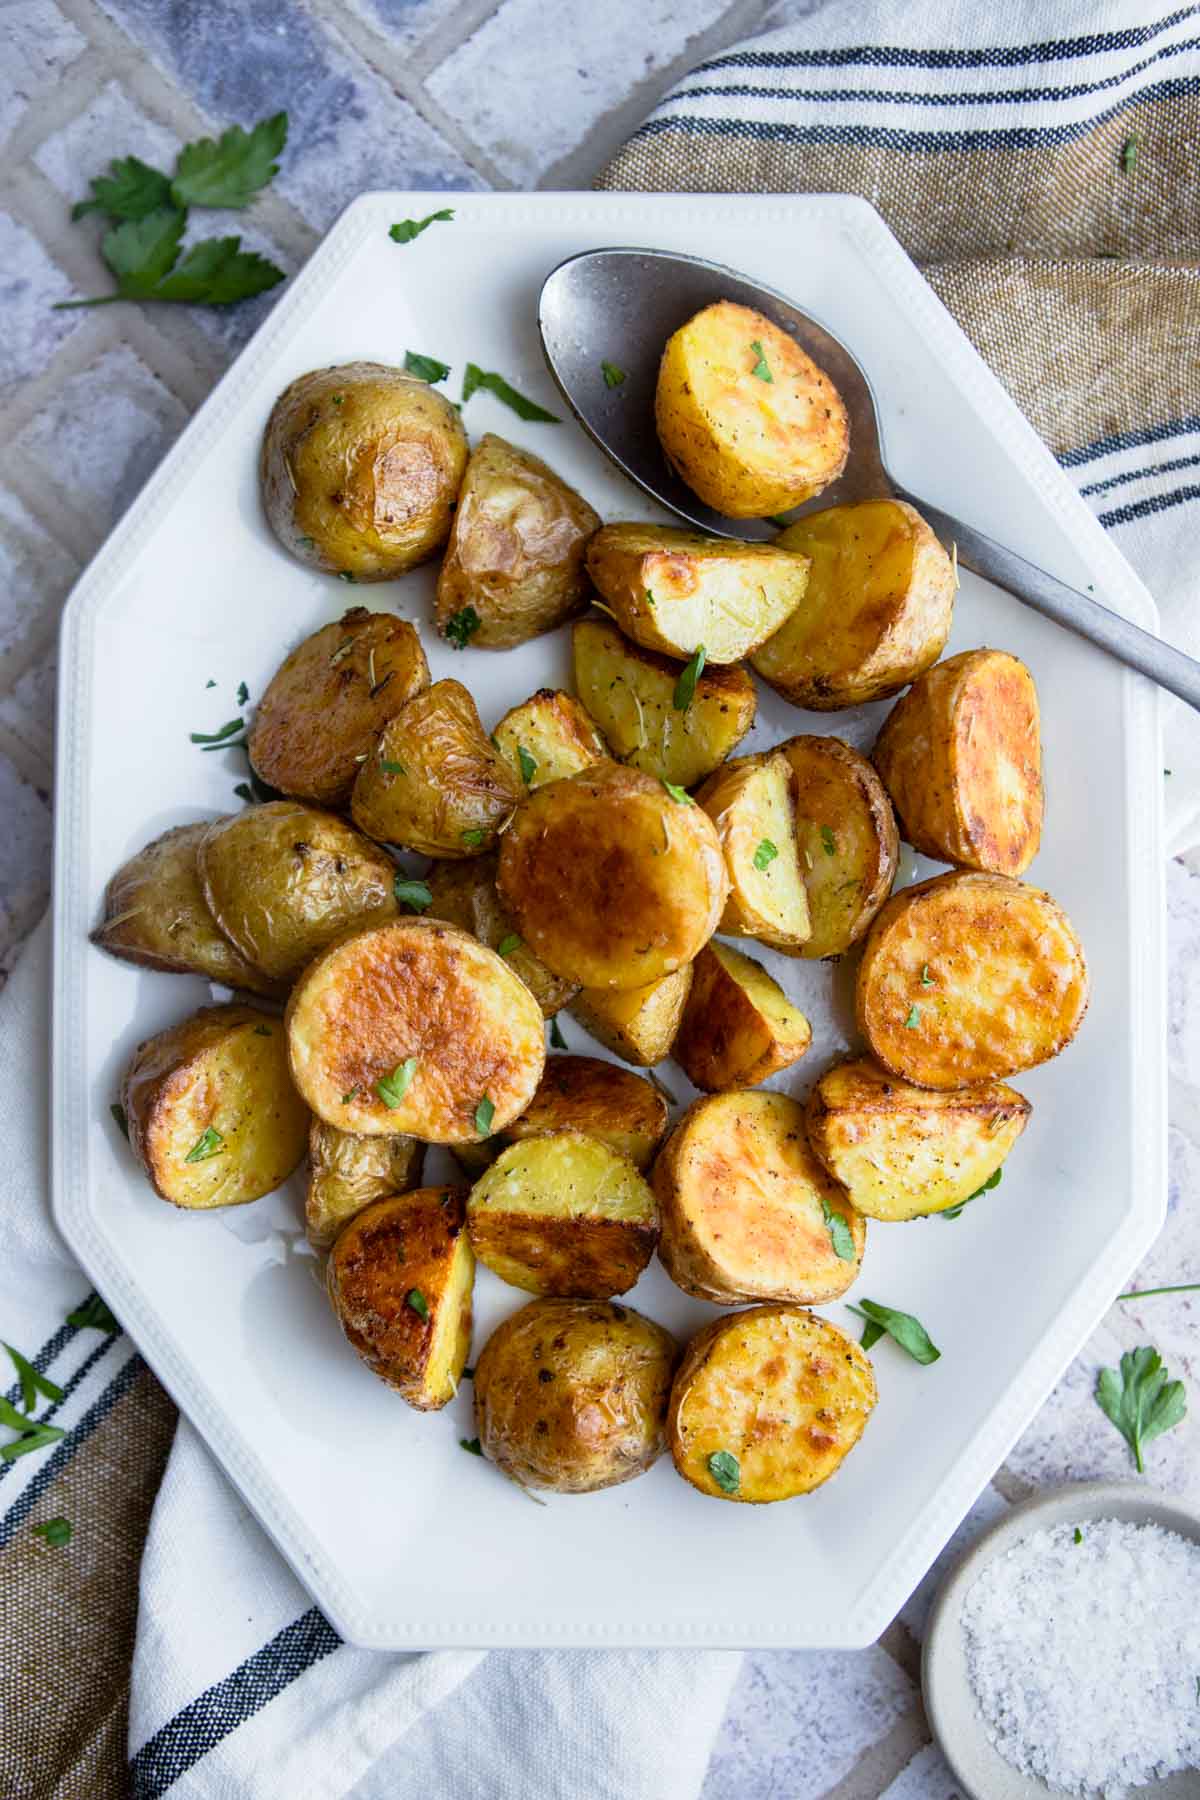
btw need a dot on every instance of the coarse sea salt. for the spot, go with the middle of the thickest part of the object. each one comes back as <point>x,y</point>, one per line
<point>1084,1656</point>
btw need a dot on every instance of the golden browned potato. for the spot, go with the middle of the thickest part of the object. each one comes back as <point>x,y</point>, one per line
<point>678,592</point>
<point>636,1024</point>
<point>436,782</point>
<point>970,978</point>
<point>611,880</point>
<point>631,693</point>
<point>212,1114</point>
<point>415,1027</point>
<point>877,610</point>
<point>547,737</point>
<point>748,1213</point>
<point>283,880</point>
<point>360,469</point>
<point>346,1173</point>
<point>155,914</point>
<point>767,1404</point>
<point>961,757</point>
<point>739,1027</point>
<point>902,1151</point>
<point>571,1395</point>
<point>584,1093</point>
<point>745,416</point>
<point>847,840</point>
<point>514,564</point>
<point>464,893</point>
<point>328,701</point>
<point>400,1277</point>
<point>750,803</point>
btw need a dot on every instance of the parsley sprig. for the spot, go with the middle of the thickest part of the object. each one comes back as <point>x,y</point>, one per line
<point>475,378</point>
<point>1140,1399</point>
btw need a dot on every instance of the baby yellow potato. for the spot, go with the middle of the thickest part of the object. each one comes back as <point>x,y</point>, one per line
<point>767,1404</point>
<point>902,1151</point>
<point>435,782</point>
<point>548,737</point>
<point>745,416</point>
<point>748,1213</point>
<point>587,1094</point>
<point>970,978</point>
<point>750,803</point>
<point>346,1173</point>
<point>464,894</point>
<point>677,592</point>
<point>961,757</point>
<point>846,838</point>
<point>637,1024</point>
<point>212,1114</point>
<point>877,610</point>
<point>739,1027</point>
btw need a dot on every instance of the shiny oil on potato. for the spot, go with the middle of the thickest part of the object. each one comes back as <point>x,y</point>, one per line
<point>637,1024</point>
<point>587,1094</point>
<point>464,894</point>
<point>846,838</point>
<point>547,738</point>
<point>750,802</point>
<point>346,1173</point>
<point>739,1027</point>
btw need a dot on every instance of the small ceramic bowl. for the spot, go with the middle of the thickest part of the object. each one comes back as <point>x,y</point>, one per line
<point>949,1701</point>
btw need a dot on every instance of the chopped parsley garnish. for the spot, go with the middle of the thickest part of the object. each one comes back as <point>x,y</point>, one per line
<point>118,1113</point>
<point>685,687</point>
<point>475,378</point>
<point>679,795</point>
<point>352,1095</point>
<point>613,377</point>
<point>725,1471</point>
<point>461,627</point>
<point>1078,1538</point>
<point>425,368</point>
<point>218,737</point>
<point>55,1531</point>
<point>508,944</point>
<point>762,367</point>
<point>902,1327</point>
<point>93,1315</point>
<point>392,1088</point>
<point>415,895</point>
<point>474,838</point>
<point>765,854</point>
<point>993,1180</point>
<point>828,841</point>
<point>840,1234</point>
<point>926,977</point>
<point>527,763</point>
<point>913,1019</point>
<point>485,1112</point>
<point>405,230</point>
<point>1129,153</point>
<point>557,1040</point>
<point>243,693</point>
<point>472,1445</point>
<point>417,1301</point>
<point>209,1143</point>
<point>1140,1399</point>
<point>392,768</point>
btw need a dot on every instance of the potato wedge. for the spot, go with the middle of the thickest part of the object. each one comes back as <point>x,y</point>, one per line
<point>400,1279</point>
<point>328,701</point>
<point>750,803</point>
<point>748,1213</point>
<point>155,914</point>
<point>675,591</point>
<point>587,1094</point>
<point>970,978</point>
<point>464,894</point>
<point>847,839</point>
<point>961,757</point>
<point>212,1114</point>
<point>436,783</point>
<point>876,613</point>
<point>767,1404</point>
<point>284,880</point>
<point>902,1151</point>
<point>612,882</point>
<point>630,692</point>
<point>745,416</point>
<point>739,1027</point>
<point>514,564</point>
<point>549,736</point>
<point>637,1024</point>
<point>415,1027</point>
<point>346,1173</point>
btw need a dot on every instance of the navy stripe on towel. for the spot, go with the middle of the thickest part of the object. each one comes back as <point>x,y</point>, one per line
<point>1142,509</point>
<point>81,1374</point>
<point>1128,440</point>
<point>1148,473</point>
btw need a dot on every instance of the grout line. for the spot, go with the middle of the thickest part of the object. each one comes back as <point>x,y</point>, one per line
<point>879,1765</point>
<point>58,105</point>
<point>1012,1487</point>
<point>53,510</point>
<point>38,639</point>
<point>449,36</point>
<point>32,768</point>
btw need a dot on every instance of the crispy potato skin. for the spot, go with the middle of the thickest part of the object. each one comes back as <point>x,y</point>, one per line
<point>637,1024</point>
<point>743,1203</point>
<point>464,894</point>
<point>961,757</point>
<point>611,882</point>
<point>781,1390</point>
<point>155,914</point>
<point>585,1093</point>
<point>346,1173</point>
<point>877,612</point>
<point>1007,981</point>
<point>223,1070</point>
<point>437,783</point>
<point>571,1395</point>
<point>556,731</point>
<point>750,802</point>
<point>407,1244</point>
<point>673,590</point>
<point>747,445</point>
<point>415,988</point>
<point>739,1027</point>
<point>840,801</point>
<point>630,693</point>
<point>359,470</point>
<point>902,1151</point>
<point>515,555</point>
<point>328,701</point>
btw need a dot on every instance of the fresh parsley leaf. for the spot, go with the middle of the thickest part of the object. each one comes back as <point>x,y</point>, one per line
<point>55,1531</point>
<point>218,737</point>
<point>216,272</point>
<point>472,1445</point>
<point>228,171</point>
<point>906,1331</point>
<point>352,1095</point>
<point>485,1112</point>
<point>993,1180</point>
<point>1140,1399</point>
<point>209,684</point>
<point>33,1382</point>
<point>461,626</point>
<point>474,838</point>
<point>118,1113</point>
<point>762,367</point>
<point>392,1088</point>
<point>613,377</point>
<point>685,687</point>
<point>1129,153</point>
<point>725,1471</point>
<point>913,1019</point>
<point>828,841</point>
<point>528,764</point>
<point>679,795</point>
<point>557,1040</point>
<point>209,1143</point>
<point>243,693</point>
<point>130,190</point>
<point>93,1315</point>
<point>475,378</point>
<point>840,1234</point>
<point>425,368</point>
<point>1078,1536</point>
<point>508,944</point>
<point>765,854</point>
<point>926,977</point>
<point>245,792</point>
<point>16,1421</point>
<point>35,1439</point>
<point>871,1334</point>
<point>392,768</point>
<point>415,895</point>
<point>405,230</point>
<point>141,251</point>
<point>417,1301</point>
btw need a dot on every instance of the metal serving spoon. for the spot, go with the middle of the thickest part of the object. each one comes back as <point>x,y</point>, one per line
<point>637,298</point>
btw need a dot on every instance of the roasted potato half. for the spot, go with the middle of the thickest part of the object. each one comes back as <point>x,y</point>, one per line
<point>877,610</point>
<point>677,592</point>
<point>846,837</point>
<point>360,469</point>
<point>548,737</point>
<point>637,1024</point>
<point>464,893</point>
<point>969,978</point>
<point>346,1173</point>
<point>584,1093</point>
<point>767,1404</point>
<point>436,783</point>
<point>415,1027</point>
<point>902,1151</point>
<point>745,416</point>
<point>611,881</point>
<point>400,1278</point>
<point>739,1027</point>
<point>212,1114</point>
<point>328,701</point>
<point>750,803</point>
<point>961,757</point>
<point>748,1213</point>
<point>514,564</point>
<point>284,880</point>
<point>571,1395</point>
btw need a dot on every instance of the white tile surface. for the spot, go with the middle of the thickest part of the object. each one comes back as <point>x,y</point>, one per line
<point>39,44</point>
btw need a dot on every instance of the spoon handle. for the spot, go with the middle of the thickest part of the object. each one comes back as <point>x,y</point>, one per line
<point>1149,655</point>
